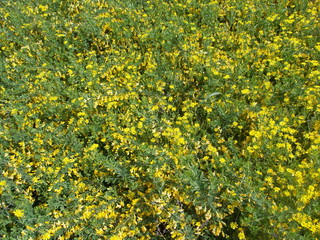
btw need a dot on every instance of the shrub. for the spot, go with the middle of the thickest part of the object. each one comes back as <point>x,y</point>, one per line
<point>159,119</point>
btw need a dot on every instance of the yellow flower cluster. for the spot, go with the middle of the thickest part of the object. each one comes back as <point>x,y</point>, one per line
<point>177,119</point>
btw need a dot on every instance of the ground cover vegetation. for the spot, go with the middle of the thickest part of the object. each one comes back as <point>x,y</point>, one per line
<point>175,119</point>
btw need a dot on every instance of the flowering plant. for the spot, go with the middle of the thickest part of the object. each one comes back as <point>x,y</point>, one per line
<point>176,119</point>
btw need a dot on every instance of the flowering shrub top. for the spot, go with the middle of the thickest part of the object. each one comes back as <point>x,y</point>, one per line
<point>177,119</point>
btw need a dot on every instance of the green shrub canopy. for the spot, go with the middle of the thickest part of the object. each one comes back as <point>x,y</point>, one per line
<point>176,119</point>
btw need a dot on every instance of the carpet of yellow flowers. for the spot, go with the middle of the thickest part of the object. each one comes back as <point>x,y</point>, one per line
<point>174,119</point>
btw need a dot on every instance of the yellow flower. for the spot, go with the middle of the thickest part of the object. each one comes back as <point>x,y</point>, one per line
<point>81,114</point>
<point>67,160</point>
<point>245,91</point>
<point>46,236</point>
<point>93,147</point>
<point>18,213</point>
<point>43,8</point>
<point>116,237</point>
<point>272,18</point>
<point>100,231</point>
<point>2,183</point>
<point>53,98</point>
<point>241,235</point>
<point>233,225</point>
<point>14,111</point>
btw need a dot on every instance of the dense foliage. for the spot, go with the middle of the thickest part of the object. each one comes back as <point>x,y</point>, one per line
<point>175,119</point>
